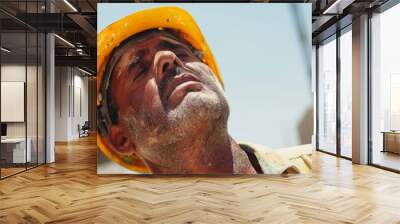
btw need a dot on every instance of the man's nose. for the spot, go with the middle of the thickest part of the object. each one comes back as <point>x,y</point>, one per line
<point>164,61</point>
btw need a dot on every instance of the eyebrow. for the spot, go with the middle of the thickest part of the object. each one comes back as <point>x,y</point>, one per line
<point>170,45</point>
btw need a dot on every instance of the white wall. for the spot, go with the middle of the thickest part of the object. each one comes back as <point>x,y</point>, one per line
<point>71,94</point>
<point>80,103</point>
<point>13,73</point>
<point>61,103</point>
<point>33,127</point>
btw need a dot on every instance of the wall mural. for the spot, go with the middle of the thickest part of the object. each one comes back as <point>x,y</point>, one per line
<point>165,104</point>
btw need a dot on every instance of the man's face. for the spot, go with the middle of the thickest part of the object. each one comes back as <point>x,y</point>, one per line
<point>165,94</point>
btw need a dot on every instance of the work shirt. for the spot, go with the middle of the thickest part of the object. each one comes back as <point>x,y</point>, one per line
<point>296,159</point>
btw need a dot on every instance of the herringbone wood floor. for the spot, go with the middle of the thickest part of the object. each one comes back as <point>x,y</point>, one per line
<point>69,191</point>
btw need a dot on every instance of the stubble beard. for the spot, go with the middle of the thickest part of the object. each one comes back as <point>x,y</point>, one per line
<point>199,115</point>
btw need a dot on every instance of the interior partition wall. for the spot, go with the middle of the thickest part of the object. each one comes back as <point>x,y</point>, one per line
<point>22,76</point>
<point>334,101</point>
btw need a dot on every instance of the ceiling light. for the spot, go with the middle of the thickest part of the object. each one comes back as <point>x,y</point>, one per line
<point>84,71</point>
<point>337,7</point>
<point>5,50</point>
<point>333,6</point>
<point>70,5</point>
<point>65,41</point>
<point>80,51</point>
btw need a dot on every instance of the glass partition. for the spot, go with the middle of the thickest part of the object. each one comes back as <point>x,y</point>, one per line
<point>31,97</point>
<point>41,86</point>
<point>13,94</point>
<point>33,72</point>
<point>22,88</point>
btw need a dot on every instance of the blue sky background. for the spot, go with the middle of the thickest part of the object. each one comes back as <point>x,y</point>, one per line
<point>263,58</point>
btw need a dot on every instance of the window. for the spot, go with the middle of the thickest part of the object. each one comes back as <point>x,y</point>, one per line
<point>333,137</point>
<point>327,96</point>
<point>385,89</point>
<point>346,92</point>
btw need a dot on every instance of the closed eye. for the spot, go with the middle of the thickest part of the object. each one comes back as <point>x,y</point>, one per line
<point>137,59</point>
<point>140,72</point>
<point>181,54</point>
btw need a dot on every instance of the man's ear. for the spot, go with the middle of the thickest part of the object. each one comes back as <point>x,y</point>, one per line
<point>119,138</point>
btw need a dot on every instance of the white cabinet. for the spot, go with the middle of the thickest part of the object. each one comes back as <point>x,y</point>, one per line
<point>14,150</point>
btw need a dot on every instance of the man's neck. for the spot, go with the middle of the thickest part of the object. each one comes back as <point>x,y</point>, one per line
<point>216,153</point>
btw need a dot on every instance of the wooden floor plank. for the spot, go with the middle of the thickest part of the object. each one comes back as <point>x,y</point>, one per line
<point>70,191</point>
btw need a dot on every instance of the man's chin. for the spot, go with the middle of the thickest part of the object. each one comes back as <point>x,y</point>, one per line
<point>198,104</point>
<point>194,115</point>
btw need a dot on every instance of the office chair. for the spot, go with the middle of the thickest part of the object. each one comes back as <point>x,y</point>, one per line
<point>84,130</point>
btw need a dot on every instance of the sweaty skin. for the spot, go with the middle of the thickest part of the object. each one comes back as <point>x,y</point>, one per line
<point>173,112</point>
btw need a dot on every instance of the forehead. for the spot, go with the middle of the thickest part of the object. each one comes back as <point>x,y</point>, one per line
<point>150,39</point>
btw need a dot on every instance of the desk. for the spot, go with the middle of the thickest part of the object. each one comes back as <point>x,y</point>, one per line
<point>391,141</point>
<point>13,150</point>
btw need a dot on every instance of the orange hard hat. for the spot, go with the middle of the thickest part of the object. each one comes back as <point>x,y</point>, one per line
<point>113,35</point>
